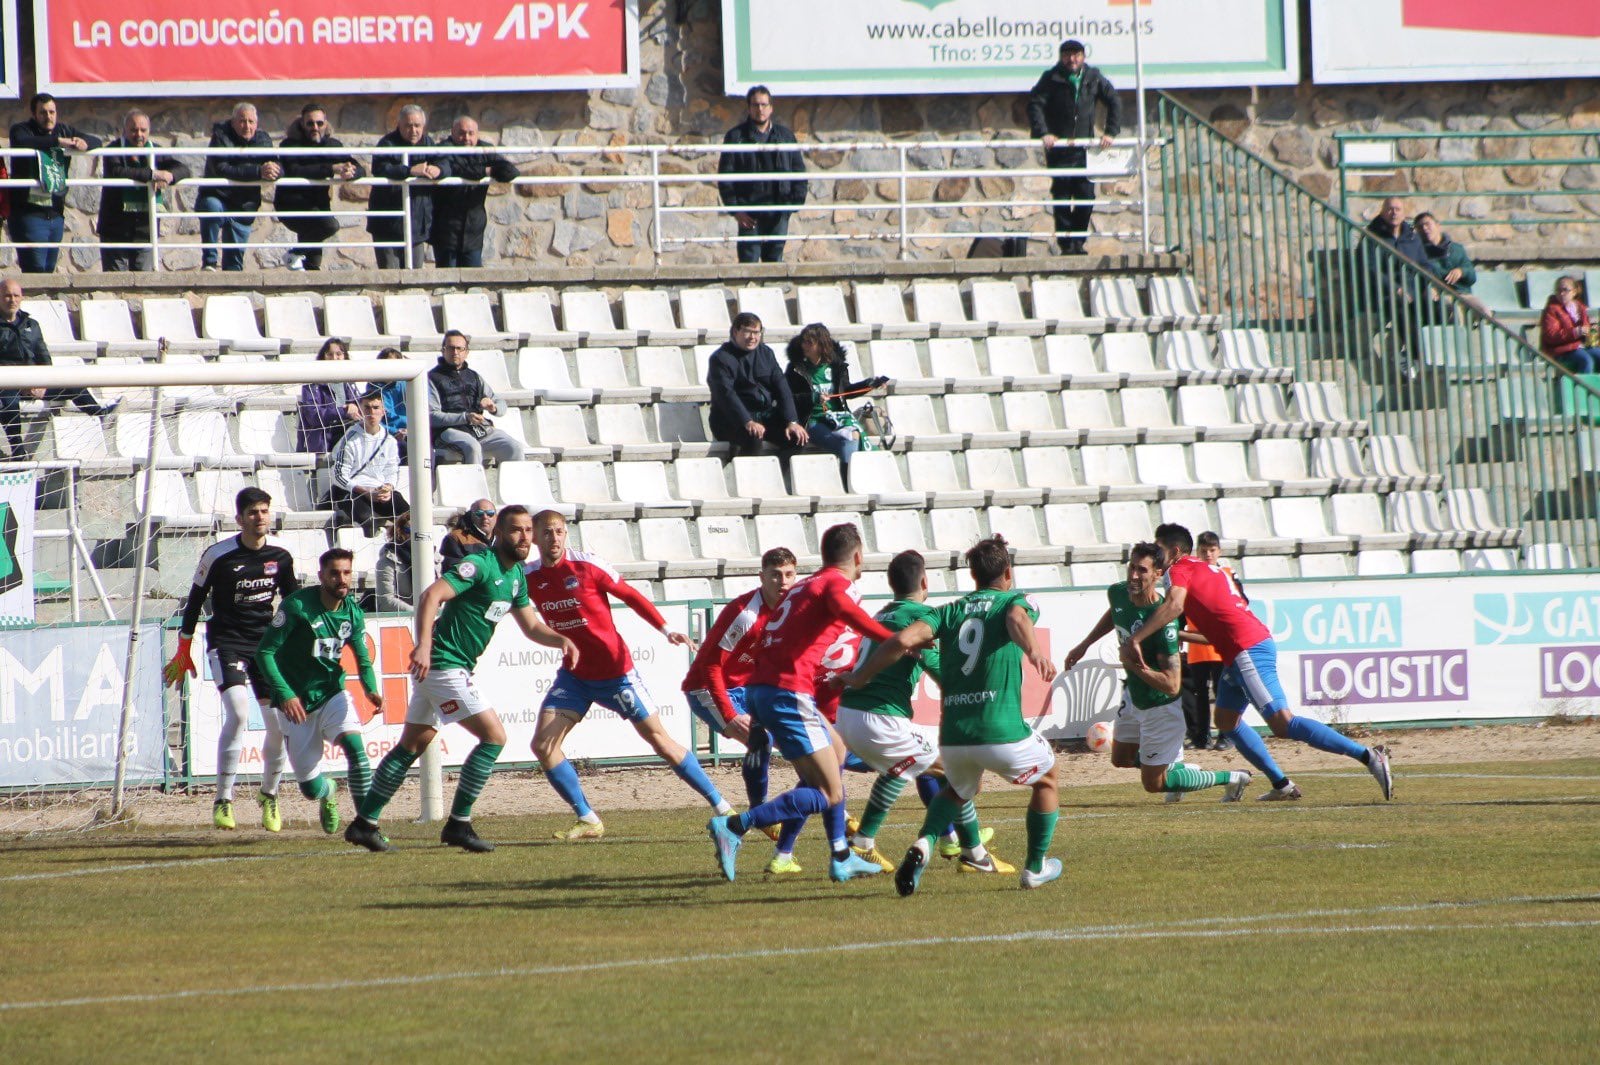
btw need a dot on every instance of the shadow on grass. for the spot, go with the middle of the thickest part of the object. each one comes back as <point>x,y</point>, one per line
<point>616,892</point>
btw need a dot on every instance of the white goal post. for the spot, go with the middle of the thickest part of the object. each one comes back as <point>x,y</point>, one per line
<point>155,376</point>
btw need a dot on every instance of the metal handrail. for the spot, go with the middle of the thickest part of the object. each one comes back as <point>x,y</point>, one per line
<point>1405,353</point>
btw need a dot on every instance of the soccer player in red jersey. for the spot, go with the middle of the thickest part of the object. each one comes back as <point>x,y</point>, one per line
<point>1203,592</point>
<point>782,697</point>
<point>570,589</point>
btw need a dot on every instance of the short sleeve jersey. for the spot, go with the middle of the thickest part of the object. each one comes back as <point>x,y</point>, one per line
<point>735,622</point>
<point>890,691</point>
<point>486,591</point>
<point>242,584</point>
<point>1159,647</point>
<point>573,598</point>
<point>981,669</point>
<point>789,649</point>
<point>301,652</point>
<point>1215,608</point>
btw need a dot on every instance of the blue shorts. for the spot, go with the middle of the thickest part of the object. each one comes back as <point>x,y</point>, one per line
<point>703,706</point>
<point>626,695</point>
<point>797,726</point>
<point>1251,679</point>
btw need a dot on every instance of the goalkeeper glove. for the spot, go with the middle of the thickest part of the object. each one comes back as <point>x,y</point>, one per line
<point>181,663</point>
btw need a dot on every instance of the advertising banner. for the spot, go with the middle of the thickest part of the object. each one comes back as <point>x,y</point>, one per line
<point>849,47</point>
<point>10,75</point>
<point>61,700</point>
<point>16,547</point>
<point>249,47</point>
<point>512,676</point>
<point>1483,41</point>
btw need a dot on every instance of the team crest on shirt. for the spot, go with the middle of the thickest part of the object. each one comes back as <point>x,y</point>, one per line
<point>279,619</point>
<point>344,630</point>
<point>466,569</point>
<point>269,568</point>
<point>571,584</point>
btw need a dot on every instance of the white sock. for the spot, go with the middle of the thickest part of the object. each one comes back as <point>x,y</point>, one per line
<point>863,843</point>
<point>977,853</point>
<point>236,702</point>
<point>272,751</point>
<point>590,818</point>
<point>723,809</point>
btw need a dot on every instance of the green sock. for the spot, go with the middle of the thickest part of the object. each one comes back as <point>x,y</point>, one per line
<point>941,811</point>
<point>315,788</point>
<point>360,775</point>
<point>885,790</point>
<point>968,831</point>
<point>474,775</point>
<point>1041,830</point>
<point>386,781</point>
<point>1184,777</point>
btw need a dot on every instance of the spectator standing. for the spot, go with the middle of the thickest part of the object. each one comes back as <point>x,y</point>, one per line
<point>819,377</point>
<point>22,344</point>
<point>1564,329</point>
<point>1449,261</point>
<point>366,465</point>
<point>1061,107</point>
<point>394,404</point>
<point>1391,227</point>
<point>1396,291</point>
<point>326,409</point>
<point>749,398</point>
<point>311,130</point>
<point>125,216</point>
<point>392,575</point>
<point>232,208</point>
<point>459,404</point>
<point>471,531</point>
<point>36,213</point>
<point>410,132</point>
<point>776,191</point>
<point>459,217</point>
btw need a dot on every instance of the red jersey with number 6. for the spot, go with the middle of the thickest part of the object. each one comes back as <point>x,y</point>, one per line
<point>1215,608</point>
<point>788,650</point>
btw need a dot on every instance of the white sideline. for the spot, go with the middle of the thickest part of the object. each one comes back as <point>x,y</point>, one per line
<point>1190,929</point>
<point>176,863</point>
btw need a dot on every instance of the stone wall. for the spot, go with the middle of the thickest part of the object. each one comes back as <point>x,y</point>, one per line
<point>680,101</point>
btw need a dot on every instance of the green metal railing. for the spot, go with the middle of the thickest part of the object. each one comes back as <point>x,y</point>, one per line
<point>1409,358</point>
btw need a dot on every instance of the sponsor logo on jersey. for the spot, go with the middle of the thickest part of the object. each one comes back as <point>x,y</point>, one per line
<point>1027,775</point>
<point>1327,624</point>
<point>560,604</point>
<point>1568,672</point>
<point>449,706</point>
<point>1536,617</point>
<point>901,766</point>
<point>1429,676</point>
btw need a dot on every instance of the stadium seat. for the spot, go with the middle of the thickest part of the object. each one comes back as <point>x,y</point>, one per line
<point>589,314</point>
<point>1126,523</point>
<point>1036,576</point>
<point>783,530</point>
<point>1318,401</point>
<point>1549,556</point>
<point>458,485</point>
<point>760,477</point>
<point>1033,413</point>
<point>706,310</point>
<point>1488,560</point>
<point>1244,349</point>
<point>1395,456</point>
<point>1050,468</point>
<point>818,476</point>
<point>877,474</point>
<point>352,317</point>
<point>1071,525</point>
<point>999,305</point>
<point>1208,407</point>
<point>265,434</point>
<point>1415,512</point>
<point>1057,300</point>
<point>768,303</point>
<point>724,537</point>
<point>1186,350</point>
<point>109,325</point>
<point>914,420</point>
<point>994,471</point>
<point>1498,290</point>
<point>1020,527</point>
<point>826,304</point>
<point>1096,574</point>
<point>1340,458</point>
<point>608,539</point>
<point>561,429</point>
<point>1011,357</point>
<point>644,483</point>
<point>1146,408</point>
<point>410,315</point>
<point>667,540</point>
<point>1115,298</point>
<point>1164,466</point>
<point>974,413</point>
<point>55,322</point>
<point>528,483</point>
<point>582,482</point>
<point>130,436</point>
<point>1192,514</point>
<point>704,482</point>
<point>1301,518</point>
<point>170,502</point>
<point>1070,355</point>
<point>290,490</point>
<point>602,368</point>
<point>893,531</point>
<point>1470,508</point>
<point>680,423</point>
<point>1261,404</point>
<point>1323,567</point>
<point>648,313</point>
<point>512,425</point>
<point>473,314</point>
<point>623,424</point>
<point>172,320</point>
<point>896,360</point>
<point>883,306</point>
<point>1360,514</point>
<point>544,371</point>
<point>1224,466</point>
<point>532,317</point>
<point>956,358</point>
<point>1280,461</point>
<point>204,436</point>
<point>938,305</point>
<point>292,320</point>
<point>1244,520</point>
<point>1091,408</point>
<point>689,589</point>
<point>231,320</point>
<point>1272,567</point>
<point>217,490</point>
<point>1436,560</point>
<point>954,529</point>
<point>1380,563</point>
<point>1174,297</point>
<point>1127,353</point>
<point>661,367</point>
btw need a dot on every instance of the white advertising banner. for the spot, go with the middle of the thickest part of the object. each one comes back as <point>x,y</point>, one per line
<point>513,676</point>
<point>1486,41</point>
<point>16,547</point>
<point>849,47</point>
<point>61,702</point>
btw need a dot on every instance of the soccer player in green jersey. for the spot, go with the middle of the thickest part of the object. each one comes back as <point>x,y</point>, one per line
<point>875,723</point>
<point>469,600</point>
<point>1150,725</point>
<point>983,638</point>
<point>300,657</point>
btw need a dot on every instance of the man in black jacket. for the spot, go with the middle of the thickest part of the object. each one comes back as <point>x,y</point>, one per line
<point>125,212</point>
<point>778,191</point>
<point>311,130</point>
<point>459,404</point>
<point>458,214</point>
<point>232,207</point>
<point>36,213</point>
<point>410,131</point>
<point>1061,106</point>
<point>750,401</point>
<point>22,344</point>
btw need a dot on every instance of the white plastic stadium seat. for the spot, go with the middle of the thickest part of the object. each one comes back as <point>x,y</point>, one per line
<point>293,320</point>
<point>352,317</point>
<point>173,320</point>
<point>473,314</point>
<point>232,319</point>
<point>110,322</point>
<point>648,312</point>
<point>705,309</point>
<point>55,322</point>
<point>410,315</point>
<point>1115,297</point>
<point>826,304</point>
<point>1244,349</point>
<point>1057,299</point>
<point>532,315</point>
<point>1186,349</point>
<point>1127,353</point>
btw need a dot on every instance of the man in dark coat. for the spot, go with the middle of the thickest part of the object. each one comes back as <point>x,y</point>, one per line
<point>410,132</point>
<point>459,217</point>
<point>311,130</point>
<point>776,190</point>
<point>22,344</point>
<point>750,401</point>
<point>232,208</point>
<point>125,212</point>
<point>36,213</point>
<point>1061,107</point>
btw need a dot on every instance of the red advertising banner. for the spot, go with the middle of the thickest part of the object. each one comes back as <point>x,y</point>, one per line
<point>221,47</point>
<point>1497,16</point>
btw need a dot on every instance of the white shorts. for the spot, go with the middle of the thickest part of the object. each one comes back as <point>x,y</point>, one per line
<point>1021,762</point>
<point>445,697</point>
<point>887,743</point>
<point>326,723</point>
<point>1158,730</point>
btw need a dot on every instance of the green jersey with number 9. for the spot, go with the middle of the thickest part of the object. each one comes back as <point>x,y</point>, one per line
<point>981,669</point>
<point>300,652</point>
<point>486,591</point>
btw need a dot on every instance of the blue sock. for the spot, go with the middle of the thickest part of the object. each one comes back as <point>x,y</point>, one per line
<point>833,821</point>
<point>757,759</point>
<point>928,786</point>
<point>854,764</point>
<point>564,779</point>
<point>1248,744</point>
<point>790,833</point>
<point>1310,730</point>
<point>802,802</point>
<point>690,772</point>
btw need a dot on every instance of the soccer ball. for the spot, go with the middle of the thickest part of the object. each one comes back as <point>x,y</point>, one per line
<point>1099,736</point>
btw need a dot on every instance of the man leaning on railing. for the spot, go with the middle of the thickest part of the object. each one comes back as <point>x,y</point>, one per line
<point>459,217</point>
<point>1061,107</point>
<point>233,207</point>
<point>36,213</point>
<point>410,131</point>
<point>125,212</point>
<point>304,209</point>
